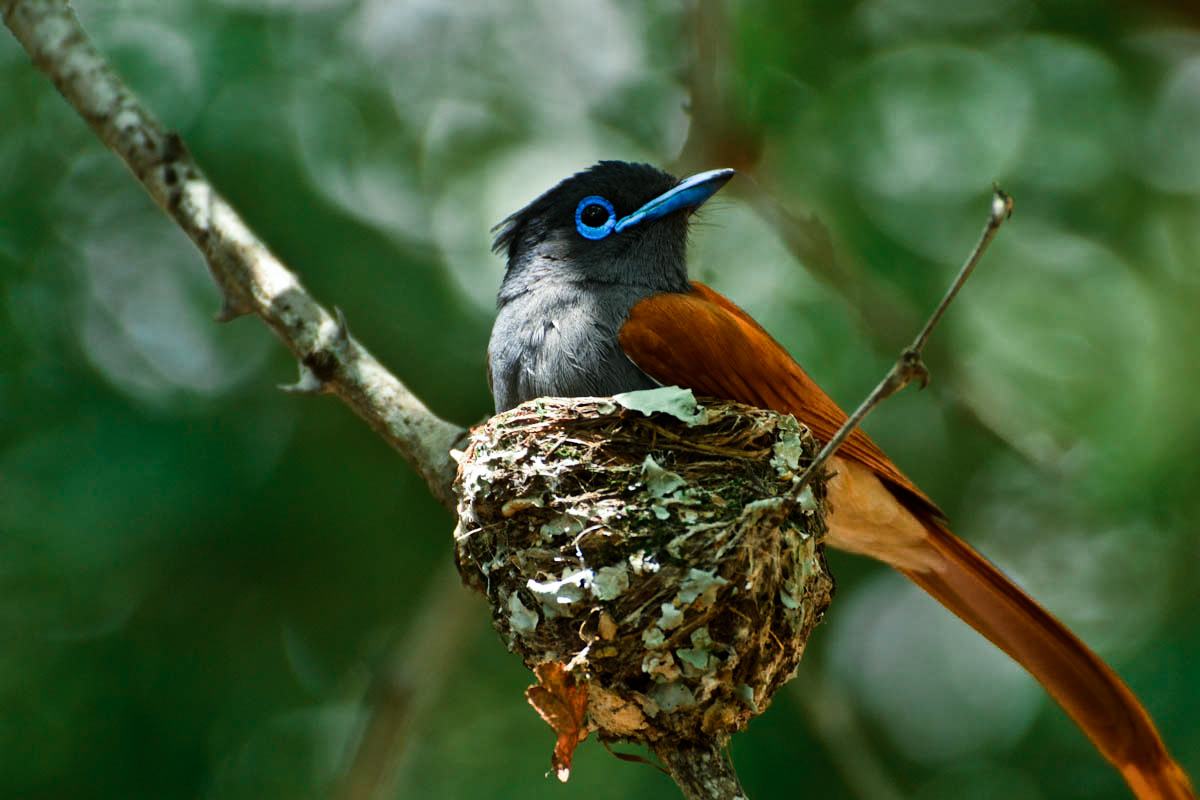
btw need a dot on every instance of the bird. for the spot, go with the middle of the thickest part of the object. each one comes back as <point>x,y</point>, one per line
<point>596,301</point>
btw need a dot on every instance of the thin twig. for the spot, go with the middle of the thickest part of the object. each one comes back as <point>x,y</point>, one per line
<point>908,366</point>
<point>251,279</point>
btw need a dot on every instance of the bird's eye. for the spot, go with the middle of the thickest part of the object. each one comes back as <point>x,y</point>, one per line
<point>594,218</point>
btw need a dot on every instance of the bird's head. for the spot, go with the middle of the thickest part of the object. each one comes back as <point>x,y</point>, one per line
<point>615,222</point>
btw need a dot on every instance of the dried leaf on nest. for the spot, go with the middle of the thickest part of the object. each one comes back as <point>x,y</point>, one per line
<point>563,705</point>
<point>655,555</point>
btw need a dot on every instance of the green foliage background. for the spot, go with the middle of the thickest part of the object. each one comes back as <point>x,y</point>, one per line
<point>199,574</point>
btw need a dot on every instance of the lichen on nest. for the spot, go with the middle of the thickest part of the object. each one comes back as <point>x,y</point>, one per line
<point>654,554</point>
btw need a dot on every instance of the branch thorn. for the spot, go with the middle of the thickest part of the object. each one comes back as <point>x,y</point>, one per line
<point>307,383</point>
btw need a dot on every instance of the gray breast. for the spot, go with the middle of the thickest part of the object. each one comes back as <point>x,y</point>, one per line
<point>562,341</point>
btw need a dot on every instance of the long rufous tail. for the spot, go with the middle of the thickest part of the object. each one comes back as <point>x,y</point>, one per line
<point>1091,693</point>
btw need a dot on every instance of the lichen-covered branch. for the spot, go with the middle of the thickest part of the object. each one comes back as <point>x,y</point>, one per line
<point>251,279</point>
<point>701,770</point>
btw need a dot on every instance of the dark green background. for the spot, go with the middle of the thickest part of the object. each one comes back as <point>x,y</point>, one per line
<point>199,574</point>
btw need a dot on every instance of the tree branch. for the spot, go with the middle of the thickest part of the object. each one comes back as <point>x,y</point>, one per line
<point>701,770</point>
<point>250,278</point>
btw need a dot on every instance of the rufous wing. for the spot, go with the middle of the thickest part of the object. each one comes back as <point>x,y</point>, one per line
<point>703,342</point>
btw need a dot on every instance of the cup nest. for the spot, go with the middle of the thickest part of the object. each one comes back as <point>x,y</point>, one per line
<point>656,556</point>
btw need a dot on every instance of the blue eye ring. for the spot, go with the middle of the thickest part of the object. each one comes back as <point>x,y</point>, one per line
<point>595,231</point>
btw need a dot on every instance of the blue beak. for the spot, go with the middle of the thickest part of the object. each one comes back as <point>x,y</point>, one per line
<point>690,193</point>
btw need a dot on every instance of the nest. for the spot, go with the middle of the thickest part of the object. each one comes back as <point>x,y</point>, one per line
<point>657,556</point>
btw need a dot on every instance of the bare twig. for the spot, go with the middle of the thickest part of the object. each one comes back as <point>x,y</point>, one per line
<point>251,279</point>
<point>908,366</point>
<point>701,770</point>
